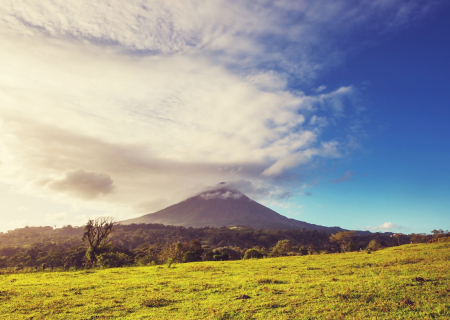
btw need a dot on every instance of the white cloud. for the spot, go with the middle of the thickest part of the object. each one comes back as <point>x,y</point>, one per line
<point>347,176</point>
<point>302,157</point>
<point>386,227</point>
<point>135,105</point>
<point>321,88</point>
<point>152,127</point>
<point>221,195</point>
<point>294,35</point>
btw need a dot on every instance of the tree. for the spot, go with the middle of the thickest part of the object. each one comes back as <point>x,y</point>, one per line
<point>437,234</point>
<point>75,256</point>
<point>374,245</point>
<point>3,262</point>
<point>253,254</point>
<point>96,233</point>
<point>114,259</point>
<point>282,248</point>
<point>343,238</point>
<point>194,252</point>
<point>398,236</point>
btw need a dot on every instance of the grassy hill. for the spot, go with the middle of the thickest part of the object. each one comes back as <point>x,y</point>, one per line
<point>411,281</point>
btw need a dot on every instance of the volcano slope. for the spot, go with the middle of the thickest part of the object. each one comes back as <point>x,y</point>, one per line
<point>406,282</point>
<point>224,207</point>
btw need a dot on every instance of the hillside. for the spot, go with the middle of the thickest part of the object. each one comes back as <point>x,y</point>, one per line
<point>406,282</point>
<point>222,206</point>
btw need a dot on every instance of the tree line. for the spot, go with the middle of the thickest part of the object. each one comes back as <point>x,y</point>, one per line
<point>104,243</point>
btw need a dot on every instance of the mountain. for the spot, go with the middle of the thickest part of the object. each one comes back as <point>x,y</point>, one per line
<point>224,207</point>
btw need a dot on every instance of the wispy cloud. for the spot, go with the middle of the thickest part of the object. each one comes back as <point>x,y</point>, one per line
<point>131,106</point>
<point>386,227</point>
<point>347,176</point>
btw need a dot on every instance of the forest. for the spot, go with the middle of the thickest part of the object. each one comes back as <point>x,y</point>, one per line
<point>48,248</point>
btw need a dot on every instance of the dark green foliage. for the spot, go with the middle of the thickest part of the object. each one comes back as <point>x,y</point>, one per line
<point>146,244</point>
<point>95,234</point>
<point>194,253</point>
<point>75,256</point>
<point>344,239</point>
<point>221,257</point>
<point>374,245</point>
<point>253,254</point>
<point>283,248</point>
<point>114,259</point>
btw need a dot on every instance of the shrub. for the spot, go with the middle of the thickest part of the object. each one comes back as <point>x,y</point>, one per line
<point>220,257</point>
<point>113,260</point>
<point>283,248</point>
<point>374,245</point>
<point>253,254</point>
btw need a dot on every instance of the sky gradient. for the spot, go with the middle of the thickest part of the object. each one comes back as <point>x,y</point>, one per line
<point>332,112</point>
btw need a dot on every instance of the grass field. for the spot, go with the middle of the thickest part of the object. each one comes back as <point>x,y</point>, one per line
<point>407,282</point>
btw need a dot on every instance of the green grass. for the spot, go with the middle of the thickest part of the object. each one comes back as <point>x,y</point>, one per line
<point>381,285</point>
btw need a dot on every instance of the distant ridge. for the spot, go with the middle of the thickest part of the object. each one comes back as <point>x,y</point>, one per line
<point>222,206</point>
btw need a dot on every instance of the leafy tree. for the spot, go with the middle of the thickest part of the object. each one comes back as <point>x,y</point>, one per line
<point>227,253</point>
<point>175,252</point>
<point>419,237</point>
<point>114,259</point>
<point>194,252</point>
<point>20,259</point>
<point>146,253</point>
<point>221,256</point>
<point>55,258</point>
<point>398,236</point>
<point>75,256</point>
<point>3,262</point>
<point>437,234</point>
<point>343,238</point>
<point>253,254</point>
<point>96,233</point>
<point>374,245</point>
<point>282,248</point>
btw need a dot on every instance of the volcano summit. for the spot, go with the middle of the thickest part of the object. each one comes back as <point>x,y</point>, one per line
<point>224,207</point>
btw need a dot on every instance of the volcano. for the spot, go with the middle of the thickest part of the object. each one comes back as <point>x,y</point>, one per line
<point>224,207</point>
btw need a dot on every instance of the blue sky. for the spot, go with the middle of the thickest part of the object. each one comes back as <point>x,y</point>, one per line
<point>401,174</point>
<point>332,113</point>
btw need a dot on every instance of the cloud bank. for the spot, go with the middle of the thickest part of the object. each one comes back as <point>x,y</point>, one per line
<point>132,106</point>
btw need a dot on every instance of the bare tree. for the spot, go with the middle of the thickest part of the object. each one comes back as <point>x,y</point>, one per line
<point>96,233</point>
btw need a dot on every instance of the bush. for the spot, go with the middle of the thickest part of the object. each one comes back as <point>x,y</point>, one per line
<point>114,260</point>
<point>192,256</point>
<point>220,257</point>
<point>253,254</point>
<point>283,248</point>
<point>374,245</point>
<point>221,254</point>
